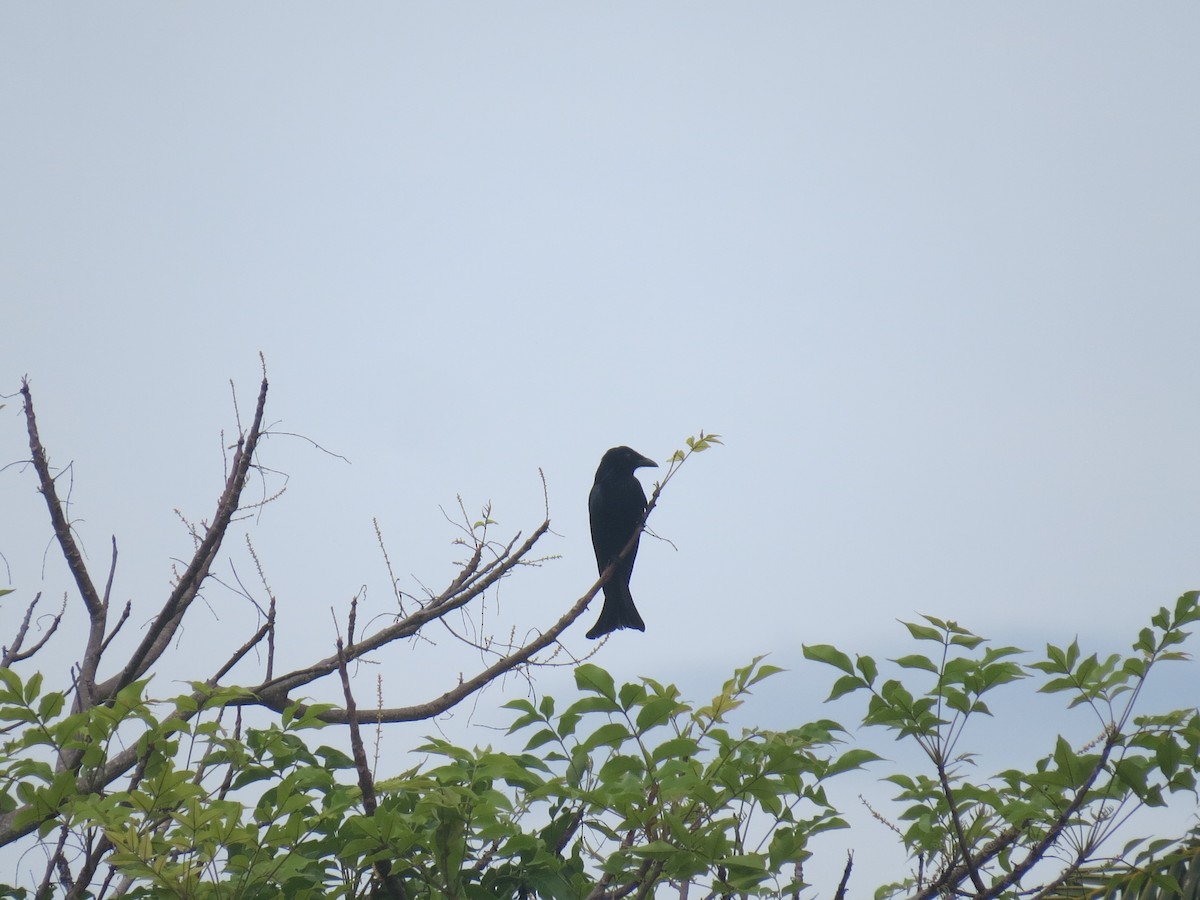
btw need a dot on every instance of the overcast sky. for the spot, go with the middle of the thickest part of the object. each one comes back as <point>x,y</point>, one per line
<point>931,270</point>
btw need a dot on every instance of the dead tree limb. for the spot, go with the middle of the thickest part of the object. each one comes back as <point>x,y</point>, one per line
<point>275,696</point>
<point>167,622</point>
<point>62,528</point>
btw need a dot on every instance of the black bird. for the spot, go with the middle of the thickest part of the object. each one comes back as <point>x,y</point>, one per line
<point>615,508</point>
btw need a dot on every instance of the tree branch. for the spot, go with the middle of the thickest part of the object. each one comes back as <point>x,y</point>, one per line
<point>1038,850</point>
<point>274,693</point>
<point>62,528</point>
<point>14,653</point>
<point>159,635</point>
<point>954,876</point>
<point>956,818</point>
<point>841,888</point>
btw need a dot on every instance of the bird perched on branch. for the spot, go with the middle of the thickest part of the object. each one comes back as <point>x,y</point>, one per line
<point>615,508</point>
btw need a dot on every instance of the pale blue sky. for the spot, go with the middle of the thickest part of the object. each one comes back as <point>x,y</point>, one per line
<point>932,271</point>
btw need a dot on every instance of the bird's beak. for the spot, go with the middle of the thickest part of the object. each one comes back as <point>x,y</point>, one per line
<point>644,461</point>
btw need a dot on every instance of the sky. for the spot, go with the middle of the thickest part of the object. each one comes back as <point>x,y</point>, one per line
<point>931,271</point>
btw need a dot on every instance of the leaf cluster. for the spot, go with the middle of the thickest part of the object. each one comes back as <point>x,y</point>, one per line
<point>993,836</point>
<point>659,790</point>
<point>626,788</point>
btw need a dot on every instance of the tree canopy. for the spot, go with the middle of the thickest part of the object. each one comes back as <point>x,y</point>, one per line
<point>239,786</point>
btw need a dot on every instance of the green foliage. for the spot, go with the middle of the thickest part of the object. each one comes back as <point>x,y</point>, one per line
<point>1164,870</point>
<point>626,787</point>
<point>989,834</point>
<point>32,785</point>
<point>696,444</point>
<point>669,793</point>
<point>630,786</point>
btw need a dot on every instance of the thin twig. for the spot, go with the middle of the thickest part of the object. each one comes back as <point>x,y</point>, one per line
<point>14,654</point>
<point>112,570</point>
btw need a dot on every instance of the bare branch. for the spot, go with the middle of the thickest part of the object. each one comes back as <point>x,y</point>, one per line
<point>264,631</point>
<point>62,529</point>
<point>121,621</point>
<point>841,889</point>
<point>112,570</point>
<point>274,692</point>
<point>14,653</point>
<point>470,583</point>
<point>44,890</point>
<point>366,781</point>
<point>317,446</point>
<point>159,635</point>
<point>271,640</point>
<point>83,878</point>
<point>388,564</point>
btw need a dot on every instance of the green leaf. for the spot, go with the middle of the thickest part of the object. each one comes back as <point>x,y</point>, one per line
<point>615,770</point>
<point>1187,608</point>
<point>676,748</point>
<point>1145,641</point>
<point>50,706</point>
<point>956,700</point>
<point>830,655</point>
<point>751,862</point>
<point>1168,882</point>
<point>520,705</point>
<point>656,712</point>
<point>545,736</point>
<point>589,677</point>
<point>611,735</point>
<point>851,759</point>
<point>593,704</point>
<point>1168,754</point>
<point>915,661</point>
<point>764,671</point>
<point>922,632</point>
<point>631,694</point>
<point>33,687</point>
<point>845,685</point>
<point>1132,772</point>
<point>657,850</point>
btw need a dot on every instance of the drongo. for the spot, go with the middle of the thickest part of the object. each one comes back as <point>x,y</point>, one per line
<point>615,508</point>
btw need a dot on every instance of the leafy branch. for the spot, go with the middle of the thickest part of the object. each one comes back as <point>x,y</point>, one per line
<point>984,838</point>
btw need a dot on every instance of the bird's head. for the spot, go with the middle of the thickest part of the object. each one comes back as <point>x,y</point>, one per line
<point>624,460</point>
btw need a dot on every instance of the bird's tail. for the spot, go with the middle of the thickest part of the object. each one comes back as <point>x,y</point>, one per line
<point>618,611</point>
